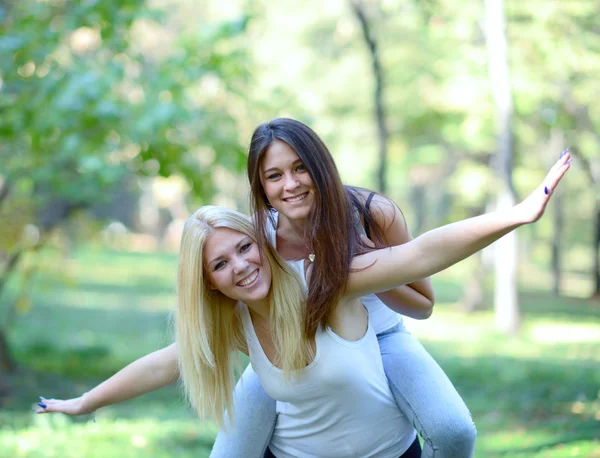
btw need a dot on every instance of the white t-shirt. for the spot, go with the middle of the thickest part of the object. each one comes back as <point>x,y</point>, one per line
<point>381,316</point>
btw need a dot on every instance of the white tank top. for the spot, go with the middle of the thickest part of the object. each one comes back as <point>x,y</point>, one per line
<point>339,406</point>
<point>381,317</point>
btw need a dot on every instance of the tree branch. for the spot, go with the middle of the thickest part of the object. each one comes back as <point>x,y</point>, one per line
<point>382,130</point>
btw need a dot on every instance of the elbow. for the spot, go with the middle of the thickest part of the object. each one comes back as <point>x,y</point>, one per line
<point>426,310</point>
<point>423,313</point>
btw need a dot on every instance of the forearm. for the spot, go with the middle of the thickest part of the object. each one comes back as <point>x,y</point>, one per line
<point>415,300</point>
<point>443,247</point>
<point>428,254</point>
<point>147,374</point>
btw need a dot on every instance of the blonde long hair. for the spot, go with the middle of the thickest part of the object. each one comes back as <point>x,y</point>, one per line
<point>208,328</point>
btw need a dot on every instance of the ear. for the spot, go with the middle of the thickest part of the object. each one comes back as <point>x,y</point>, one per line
<point>211,286</point>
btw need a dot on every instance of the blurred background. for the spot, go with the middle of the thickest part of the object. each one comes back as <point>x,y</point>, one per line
<point>120,117</point>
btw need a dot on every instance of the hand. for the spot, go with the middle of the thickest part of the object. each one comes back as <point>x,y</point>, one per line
<point>532,208</point>
<point>75,406</point>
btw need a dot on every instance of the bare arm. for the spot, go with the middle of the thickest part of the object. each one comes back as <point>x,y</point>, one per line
<point>415,299</point>
<point>440,248</point>
<point>149,373</point>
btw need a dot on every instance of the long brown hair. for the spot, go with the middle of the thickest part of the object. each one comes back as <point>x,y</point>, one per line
<point>333,231</point>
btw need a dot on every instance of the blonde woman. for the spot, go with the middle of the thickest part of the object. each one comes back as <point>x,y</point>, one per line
<point>234,296</point>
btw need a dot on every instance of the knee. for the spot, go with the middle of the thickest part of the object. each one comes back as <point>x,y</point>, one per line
<point>454,438</point>
<point>463,437</point>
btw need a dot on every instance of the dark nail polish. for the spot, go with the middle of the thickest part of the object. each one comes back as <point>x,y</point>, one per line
<point>42,405</point>
<point>546,190</point>
<point>565,151</point>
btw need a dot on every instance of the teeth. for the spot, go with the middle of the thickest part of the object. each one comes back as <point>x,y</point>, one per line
<point>249,280</point>
<point>296,199</point>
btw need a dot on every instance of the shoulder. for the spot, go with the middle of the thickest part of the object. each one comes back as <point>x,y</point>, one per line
<point>383,210</point>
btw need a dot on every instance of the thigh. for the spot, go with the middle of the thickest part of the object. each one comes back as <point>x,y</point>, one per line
<point>422,390</point>
<point>254,419</point>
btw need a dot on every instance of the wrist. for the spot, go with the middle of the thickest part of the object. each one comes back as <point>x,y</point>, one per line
<point>87,404</point>
<point>514,217</point>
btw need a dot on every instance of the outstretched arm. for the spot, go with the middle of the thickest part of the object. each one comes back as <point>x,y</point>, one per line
<point>144,375</point>
<point>440,248</point>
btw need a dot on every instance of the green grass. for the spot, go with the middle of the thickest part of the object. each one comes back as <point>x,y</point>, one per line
<point>535,395</point>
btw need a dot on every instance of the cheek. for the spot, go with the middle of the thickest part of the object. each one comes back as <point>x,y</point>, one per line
<point>269,190</point>
<point>308,181</point>
<point>215,281</point>
<point>268,275</point>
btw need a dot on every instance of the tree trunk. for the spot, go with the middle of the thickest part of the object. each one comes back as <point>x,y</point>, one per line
<point>8,270</point>
<point>505,291</point>
<point>592,167</point>
<point>557,226</point>
<point>472,297</point>
<point>4,189</point>
<point>7,363</point>
<point>596,293</point>
<point>473,291</point>
<point>379,108</point>
<point>417,199</point>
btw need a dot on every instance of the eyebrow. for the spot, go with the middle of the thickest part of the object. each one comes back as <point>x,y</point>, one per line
<point>269,170</point>
<point>237,246</point>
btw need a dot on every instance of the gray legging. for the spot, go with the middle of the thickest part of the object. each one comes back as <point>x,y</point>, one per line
<point>420,387</point>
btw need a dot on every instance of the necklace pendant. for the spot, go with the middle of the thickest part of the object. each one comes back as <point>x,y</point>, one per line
<point>311,257</point>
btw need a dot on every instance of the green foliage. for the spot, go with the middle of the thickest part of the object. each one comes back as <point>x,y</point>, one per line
<point>85,104</point>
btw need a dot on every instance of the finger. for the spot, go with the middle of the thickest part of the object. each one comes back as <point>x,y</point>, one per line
<point>563,159</point>
<point>553,180</point>
<point>550,180</point>
<point>566,157</point>
<point>557,167</point>
<point>49,405</point>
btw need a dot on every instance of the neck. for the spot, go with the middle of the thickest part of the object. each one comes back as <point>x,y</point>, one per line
<point>259,309</point>
<point>298,226</point>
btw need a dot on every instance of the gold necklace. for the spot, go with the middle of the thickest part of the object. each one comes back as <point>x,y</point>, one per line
<point>311,256</point>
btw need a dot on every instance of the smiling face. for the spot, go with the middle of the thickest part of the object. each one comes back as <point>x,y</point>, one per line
<point>287,184</point>
<point>234,267</point>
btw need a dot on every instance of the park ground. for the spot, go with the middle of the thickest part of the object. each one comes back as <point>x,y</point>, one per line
<point>531,396</point>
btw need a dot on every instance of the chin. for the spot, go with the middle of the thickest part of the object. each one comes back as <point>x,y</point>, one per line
<point>261,293</point>
<point>298,213</point>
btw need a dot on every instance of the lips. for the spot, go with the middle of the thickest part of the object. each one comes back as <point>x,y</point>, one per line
<point>294,199</point>
<point>247,281</point>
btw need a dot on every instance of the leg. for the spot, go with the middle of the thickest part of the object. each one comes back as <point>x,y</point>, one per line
<point>426,396</point>
<point>253,421</point>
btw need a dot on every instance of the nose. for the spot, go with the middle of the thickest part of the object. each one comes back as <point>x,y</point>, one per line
<point>291,182</point>
<point>240,264</point>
